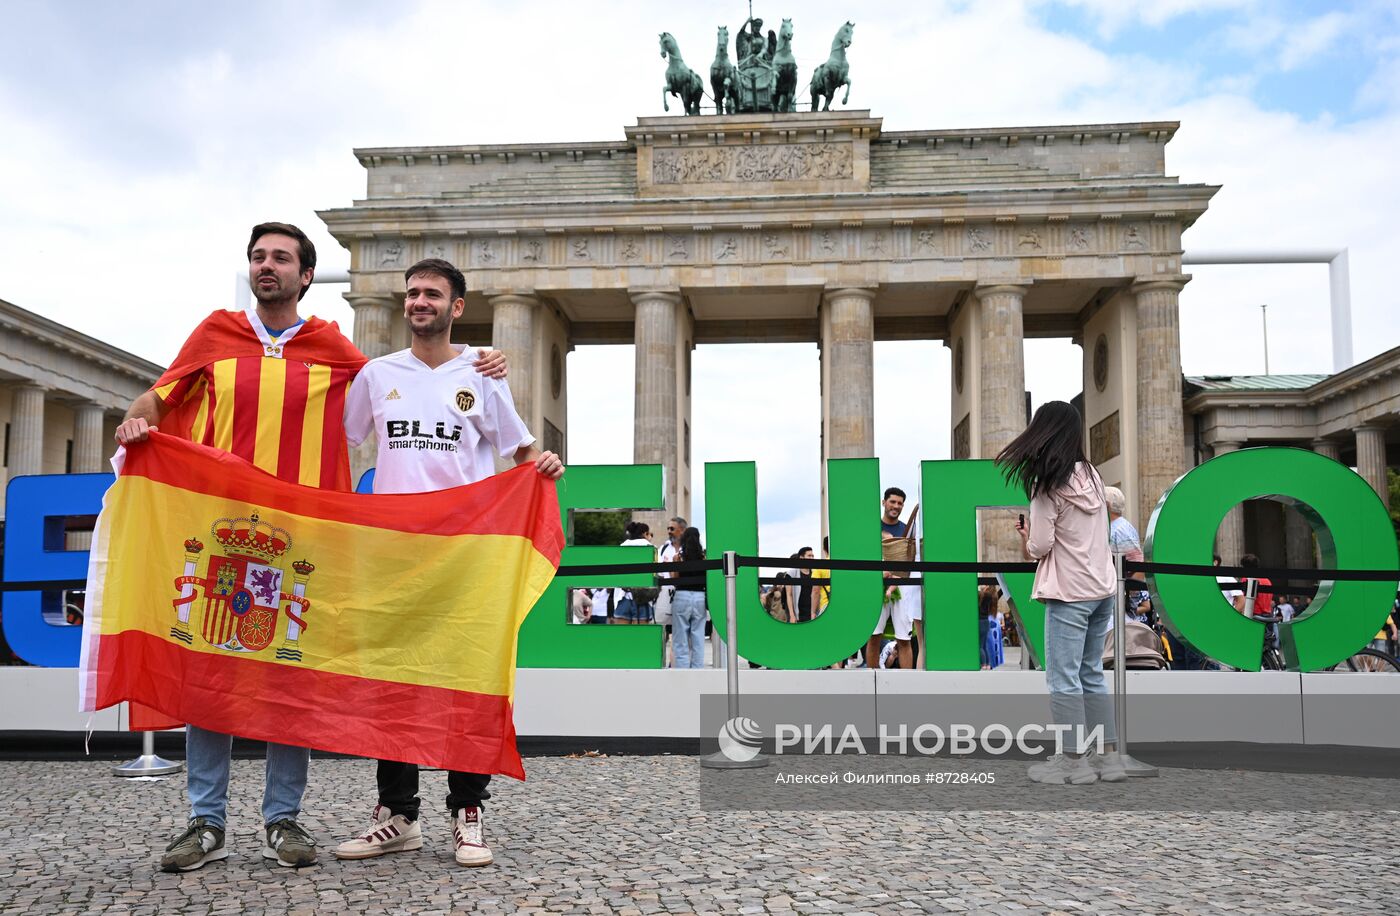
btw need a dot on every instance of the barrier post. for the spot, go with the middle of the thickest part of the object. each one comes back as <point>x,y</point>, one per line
<point>1120,675</point>
<point>720,760</point>
<point>148,764</point>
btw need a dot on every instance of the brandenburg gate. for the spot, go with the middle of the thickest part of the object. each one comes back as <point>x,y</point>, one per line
<point>806,226</point>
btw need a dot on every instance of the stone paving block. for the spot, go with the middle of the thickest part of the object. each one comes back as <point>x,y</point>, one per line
<point>646,847</point>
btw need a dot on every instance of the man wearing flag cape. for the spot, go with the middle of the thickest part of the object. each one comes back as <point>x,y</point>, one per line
<point>269,387</point>
<point>440,424</point>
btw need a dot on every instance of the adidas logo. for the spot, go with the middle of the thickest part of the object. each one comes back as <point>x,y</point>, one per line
<point>393,395</point>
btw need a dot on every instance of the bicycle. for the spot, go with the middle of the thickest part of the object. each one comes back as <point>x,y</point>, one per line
<point>1366,660</point>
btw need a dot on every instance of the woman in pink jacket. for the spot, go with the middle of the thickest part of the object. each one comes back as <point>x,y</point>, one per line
<point>1074,577</point>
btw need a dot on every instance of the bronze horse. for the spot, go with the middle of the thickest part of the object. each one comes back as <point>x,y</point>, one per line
<point>724,76</point>
<point>835,73</point>
<point>785,93</point>
<point>681,81</point>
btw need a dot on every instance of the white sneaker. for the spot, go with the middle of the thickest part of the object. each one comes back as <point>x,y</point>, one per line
<point>386,833</point>
<point>1061,770</point>
<point>469,846</point>
<point>1109,766</point>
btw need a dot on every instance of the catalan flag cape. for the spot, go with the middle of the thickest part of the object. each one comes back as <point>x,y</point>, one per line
<point>375,625</point>
<point>225,334</point>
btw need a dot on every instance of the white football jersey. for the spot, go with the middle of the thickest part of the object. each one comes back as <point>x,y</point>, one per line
<point>438,428</point>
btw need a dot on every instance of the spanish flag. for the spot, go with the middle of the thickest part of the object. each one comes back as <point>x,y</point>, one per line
<point>381,626</point>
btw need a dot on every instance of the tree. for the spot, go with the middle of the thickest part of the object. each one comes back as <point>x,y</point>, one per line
<point>599,528</point>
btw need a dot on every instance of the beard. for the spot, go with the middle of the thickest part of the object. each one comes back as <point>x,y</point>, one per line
<point>434,328</point>
<point>274,294</point>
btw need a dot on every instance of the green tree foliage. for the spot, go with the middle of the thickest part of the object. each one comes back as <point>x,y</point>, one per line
<point>599,528</point>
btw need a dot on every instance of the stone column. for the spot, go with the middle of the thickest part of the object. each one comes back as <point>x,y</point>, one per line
<point>1297,540</point>
<point>374,321</point>
<point>374,316</point>
<point>850,349</point>
<point>1370,459</point>
<point>1229,540</point>
<point>1003,368</point>
<point>1327,449</point>
<point>1161,436</point>
<point>513,332</point>
<point>26,430</point>
<point>656,403</point>
<point>88,446</point>
<point>1002,403</point>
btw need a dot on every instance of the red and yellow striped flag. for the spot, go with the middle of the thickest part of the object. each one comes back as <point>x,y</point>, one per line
<point>382,626</point>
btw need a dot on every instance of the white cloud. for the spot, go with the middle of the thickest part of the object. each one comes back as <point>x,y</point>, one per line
<point>1314,37</point>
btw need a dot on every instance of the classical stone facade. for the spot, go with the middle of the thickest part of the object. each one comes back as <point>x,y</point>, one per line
<point>818,227</point>
<point>1352,417</point>
<point>62,395</point>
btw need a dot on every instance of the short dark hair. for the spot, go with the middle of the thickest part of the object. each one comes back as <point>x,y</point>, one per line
<point>437,267</point>
<point>1249,560</point>
<point>306,251</point>
<point>894,491</point>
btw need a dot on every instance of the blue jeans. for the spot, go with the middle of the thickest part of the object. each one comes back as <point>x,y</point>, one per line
<point>207,756</point>
<point>688,628</point>
<point>1074,637</point>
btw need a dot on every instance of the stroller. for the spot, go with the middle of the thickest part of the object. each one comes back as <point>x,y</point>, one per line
<point>1142,648</point>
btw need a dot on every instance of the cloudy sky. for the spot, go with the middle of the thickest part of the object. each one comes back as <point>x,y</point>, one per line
<point>142,139</point>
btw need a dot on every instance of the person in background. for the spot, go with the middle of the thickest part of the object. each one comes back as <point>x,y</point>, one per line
<point>1067,536</point>
<point>1263,598</point>
<point>987,598</point>
<point>666,553</point>
<point>602,597</point>
<point>802,594</point>
<point>629,607</point>
<point>890,506</point>
<point>1233,596</point>
<point>1123,538</point>
<point>688,605</point>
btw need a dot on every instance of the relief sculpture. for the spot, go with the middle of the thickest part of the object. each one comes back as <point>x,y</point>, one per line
<point>792,162</point>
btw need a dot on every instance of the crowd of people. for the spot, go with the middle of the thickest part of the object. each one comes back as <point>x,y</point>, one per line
<point>800,594</point>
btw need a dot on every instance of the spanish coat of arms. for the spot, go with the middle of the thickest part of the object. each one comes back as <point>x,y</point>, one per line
<point>243,590</point>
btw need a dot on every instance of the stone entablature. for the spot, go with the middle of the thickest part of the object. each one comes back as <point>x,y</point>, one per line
<point>804,153</point>
<point>69,365</point>
<point>1365,394</point>
<point>777,200</point>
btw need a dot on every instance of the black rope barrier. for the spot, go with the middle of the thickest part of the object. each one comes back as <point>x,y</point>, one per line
<point>1231,573</point>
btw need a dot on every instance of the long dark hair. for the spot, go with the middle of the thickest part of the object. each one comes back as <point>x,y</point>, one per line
<point>1042,458</point>
<point>690,547</point>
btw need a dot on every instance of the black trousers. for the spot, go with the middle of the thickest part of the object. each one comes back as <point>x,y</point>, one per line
<point>398,788</point>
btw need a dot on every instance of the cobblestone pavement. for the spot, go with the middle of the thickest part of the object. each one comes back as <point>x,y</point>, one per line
<point>628,835</point>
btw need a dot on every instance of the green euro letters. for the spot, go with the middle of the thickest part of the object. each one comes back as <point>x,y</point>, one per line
<point>1353,531</point>
<point>547,638</point>
<point>731,509</point>
<point>1351,524</point>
